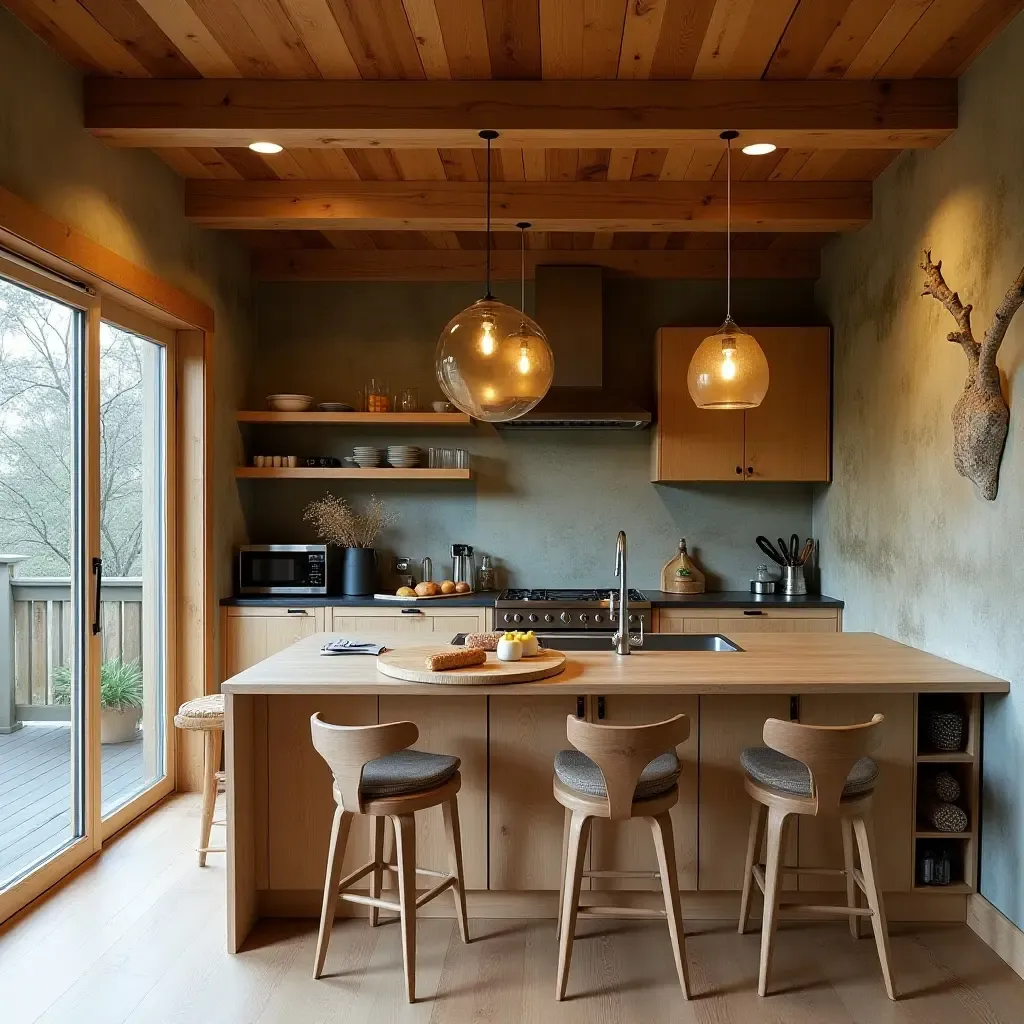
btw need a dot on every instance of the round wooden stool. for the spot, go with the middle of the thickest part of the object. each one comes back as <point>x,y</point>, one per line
<point>618,772</point>
<point>819,770</point>
<point>206,714</point>
<point>376,773</point>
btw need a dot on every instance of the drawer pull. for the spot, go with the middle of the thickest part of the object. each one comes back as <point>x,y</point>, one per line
<point>581,708</point>
<point>298,611</point>
<point>600,708</point>
<point>412,611</point>
<point>752,611</point>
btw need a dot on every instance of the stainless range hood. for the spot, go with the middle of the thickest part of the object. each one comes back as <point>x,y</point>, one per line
<point>569,310</point>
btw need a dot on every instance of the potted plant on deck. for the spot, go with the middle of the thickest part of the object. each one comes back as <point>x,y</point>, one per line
<point>120,697</point>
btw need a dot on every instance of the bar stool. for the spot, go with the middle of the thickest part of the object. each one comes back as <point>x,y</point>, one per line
<point>817,770</point>
<point>618,772</point>
<point>375,773</point>
<point>206,715</point>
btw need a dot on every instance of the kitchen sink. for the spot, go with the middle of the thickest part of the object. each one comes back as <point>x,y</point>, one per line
<point>652,642</point>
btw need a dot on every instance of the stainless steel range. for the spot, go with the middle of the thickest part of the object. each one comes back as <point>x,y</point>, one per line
<point>561,610</point>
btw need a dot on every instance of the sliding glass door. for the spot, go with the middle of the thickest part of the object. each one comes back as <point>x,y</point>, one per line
<point>43,579</point>
<point>134,463</point>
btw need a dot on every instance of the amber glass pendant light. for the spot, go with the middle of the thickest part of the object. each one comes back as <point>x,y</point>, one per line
<point>492,361</point>
<point>729,370</point>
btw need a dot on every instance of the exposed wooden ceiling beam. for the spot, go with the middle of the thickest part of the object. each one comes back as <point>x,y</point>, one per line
<point>548,205</point>
<point>466,265</point>
<point>573,114</point>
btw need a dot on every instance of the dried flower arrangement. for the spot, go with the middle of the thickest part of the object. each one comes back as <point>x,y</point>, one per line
<point>336,522</point>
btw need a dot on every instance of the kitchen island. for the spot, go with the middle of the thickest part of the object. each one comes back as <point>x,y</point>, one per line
<point>279,790</point>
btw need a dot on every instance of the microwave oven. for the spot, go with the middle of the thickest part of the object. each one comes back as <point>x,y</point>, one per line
<point>288,569</point>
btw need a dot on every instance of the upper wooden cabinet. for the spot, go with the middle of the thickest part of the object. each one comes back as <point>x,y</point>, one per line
<point>788,437</point>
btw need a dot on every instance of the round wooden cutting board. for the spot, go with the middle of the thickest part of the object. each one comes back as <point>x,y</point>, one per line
<point>410,664</point>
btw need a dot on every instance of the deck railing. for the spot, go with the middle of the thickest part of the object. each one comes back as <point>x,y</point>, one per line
<point>42,633</point>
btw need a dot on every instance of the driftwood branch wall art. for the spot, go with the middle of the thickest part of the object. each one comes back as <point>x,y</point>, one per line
<point>981,416</point>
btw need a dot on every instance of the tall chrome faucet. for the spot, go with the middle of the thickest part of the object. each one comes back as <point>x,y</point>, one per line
<point>621,638</point>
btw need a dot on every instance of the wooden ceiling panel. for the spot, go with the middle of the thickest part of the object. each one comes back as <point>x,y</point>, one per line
<point>513,38</point>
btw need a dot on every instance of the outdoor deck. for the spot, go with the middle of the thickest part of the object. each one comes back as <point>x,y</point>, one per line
<point>35,815</point>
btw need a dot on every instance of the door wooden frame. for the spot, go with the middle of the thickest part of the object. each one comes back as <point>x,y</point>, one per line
<point>45,254</point>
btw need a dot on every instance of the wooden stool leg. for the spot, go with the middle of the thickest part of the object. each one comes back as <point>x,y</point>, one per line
<point>758,814</point>
<point>405,840</point>
<point>579,833</point>
<point>335,855</point>
<point>772,876</point>
<point>869,866</point>
<point>665,847</point>
<point>851,883</point>
<point>562,872</point>
<point>377,856</point>
<point>212,740</point>
<point>450,810</point>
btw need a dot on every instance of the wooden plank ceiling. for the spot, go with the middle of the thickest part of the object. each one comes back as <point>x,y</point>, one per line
<point>410,40</point>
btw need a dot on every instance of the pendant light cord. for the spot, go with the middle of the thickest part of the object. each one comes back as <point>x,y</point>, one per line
<point>728,228</point>
<point>489,218</point>
<point>522,269</point>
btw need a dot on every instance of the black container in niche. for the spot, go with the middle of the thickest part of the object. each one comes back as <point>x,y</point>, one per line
<point>359,572</point>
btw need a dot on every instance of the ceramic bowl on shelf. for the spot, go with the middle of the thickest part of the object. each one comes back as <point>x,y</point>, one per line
<point>366,457</point>
<point>441,406</point>
<point>334,407</point>
<point>289,403</point>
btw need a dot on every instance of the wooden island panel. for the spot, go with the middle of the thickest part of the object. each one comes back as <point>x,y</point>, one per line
<point>525,820</point>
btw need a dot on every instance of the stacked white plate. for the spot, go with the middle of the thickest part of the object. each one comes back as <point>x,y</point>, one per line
<point>403,456</point>
<point>365,457</point>
<point>335,407</point>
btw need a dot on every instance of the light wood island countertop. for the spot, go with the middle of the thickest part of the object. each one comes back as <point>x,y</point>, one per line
<point>768,663</point>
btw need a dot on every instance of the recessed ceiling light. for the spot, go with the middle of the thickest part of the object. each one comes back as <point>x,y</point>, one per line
<point>273,147</point>
<point>759,148</point>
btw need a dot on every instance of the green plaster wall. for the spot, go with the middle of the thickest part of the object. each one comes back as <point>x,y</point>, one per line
<point>910,545</point>
<point>130,202</point>
<point>547,504</point>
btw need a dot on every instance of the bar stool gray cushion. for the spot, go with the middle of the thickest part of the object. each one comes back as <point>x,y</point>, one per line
<point>406,771</point>
<point>788,775</point>
<point>575,770</point>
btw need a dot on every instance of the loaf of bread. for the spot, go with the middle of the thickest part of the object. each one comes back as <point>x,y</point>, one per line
<point>483,641</point>
<point>456,658</point>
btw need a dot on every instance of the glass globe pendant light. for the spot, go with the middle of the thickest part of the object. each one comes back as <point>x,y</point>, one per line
<point>729,370</point>
<point>492,360</point>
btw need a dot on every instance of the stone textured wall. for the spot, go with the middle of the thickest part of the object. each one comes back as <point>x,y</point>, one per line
<point>131,202</point>
<point>909,544</point>
<point>547,504</point>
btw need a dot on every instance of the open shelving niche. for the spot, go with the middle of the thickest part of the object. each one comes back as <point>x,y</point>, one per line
<point>389,420</point>
<point>966,766</point>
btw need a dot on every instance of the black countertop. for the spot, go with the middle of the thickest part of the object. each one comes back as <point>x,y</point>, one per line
<point>486,599</point>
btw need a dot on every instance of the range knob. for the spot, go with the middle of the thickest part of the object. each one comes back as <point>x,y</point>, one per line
<point>598,618</point>
<point>565,617</point>
<point>532,616</point>
<point>508,617</point>
<point>517,617</point>
<point>584,617</point>
<point>549,617</point>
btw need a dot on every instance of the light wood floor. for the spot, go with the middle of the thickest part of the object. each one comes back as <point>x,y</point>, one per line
<point>139,936</point>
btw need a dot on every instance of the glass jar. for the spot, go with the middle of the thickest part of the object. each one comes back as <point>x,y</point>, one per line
<point>485,577</point>
<point>377,395</point>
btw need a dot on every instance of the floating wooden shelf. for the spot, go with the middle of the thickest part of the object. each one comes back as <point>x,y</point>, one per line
<point>925,833</point>
<point>956,757</point>
<point>954,888</point>
<point>379,473</point>
<point>356,419</point>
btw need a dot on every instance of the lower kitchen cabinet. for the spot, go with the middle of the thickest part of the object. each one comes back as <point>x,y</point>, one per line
<point>252,634</point>
<point>628,845</point>
<point>727,725</point>
<point>821,840</point>
<point>749,620</point>
<point>458,726</point>
<point>525,819</point>
<point>431,623</point>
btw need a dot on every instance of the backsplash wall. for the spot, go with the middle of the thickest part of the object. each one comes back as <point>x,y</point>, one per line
<point>546,504</point>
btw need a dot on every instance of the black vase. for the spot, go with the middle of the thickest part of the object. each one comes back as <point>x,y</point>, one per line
<point>359,572</point>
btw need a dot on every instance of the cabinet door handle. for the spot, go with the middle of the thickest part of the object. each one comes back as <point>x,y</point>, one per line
<point>97,571</point>
<point>581,707</point>
<point>739,470</point>
<point>752,611</point>
<point>412,611</point>
<point>297,611</point>
<point>750,470</point>
<point>600,707</point>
